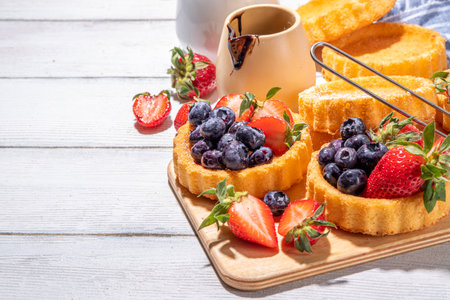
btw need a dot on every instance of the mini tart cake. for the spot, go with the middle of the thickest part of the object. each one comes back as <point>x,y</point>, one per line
<point>390,48</point>
<point>280,174</point>
<point>324,107</point>
<point>372,216</point>
<point>326,21</point>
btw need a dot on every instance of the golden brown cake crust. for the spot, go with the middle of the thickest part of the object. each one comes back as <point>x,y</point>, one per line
<point>325,107</point>
<point>326,20</point>
<point>372,216</point>
<point>390,48</point>
<point>283,172</point>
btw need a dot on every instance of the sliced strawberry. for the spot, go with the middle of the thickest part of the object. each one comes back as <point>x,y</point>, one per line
<point>274,129</point>
<point>274,108</point>
<point>252,220</point>
<point>234,101</point>
<point>248,217</point>
<point>302,223</point>
<point>151,111</point>
<point>182,115</point>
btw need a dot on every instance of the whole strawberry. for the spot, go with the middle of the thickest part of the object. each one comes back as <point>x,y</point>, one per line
<point>391,129</point>
<point>405,170</point>
<point>151,110</point>
<point>248,217</point>
<point>302,224</point>
<point>193,75</point>
<point>182,115</point>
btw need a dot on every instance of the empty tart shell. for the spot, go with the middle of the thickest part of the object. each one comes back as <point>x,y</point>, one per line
<point>326,21</point>
<point>325,107</point>
<point>372,216</point>
<point>390,48</point>
<point>283,172</point>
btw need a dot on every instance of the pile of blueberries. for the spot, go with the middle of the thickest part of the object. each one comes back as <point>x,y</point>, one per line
<point>347,162</point>
<point>218,142</point>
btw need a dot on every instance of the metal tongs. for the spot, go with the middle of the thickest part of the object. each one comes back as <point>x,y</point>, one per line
<point>371,94</point>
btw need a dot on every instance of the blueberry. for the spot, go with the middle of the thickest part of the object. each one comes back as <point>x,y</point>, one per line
<point>199,112</point>
<point>195,136</point>
<point>370,154</point>
<point>277,201</point>
<point>233,128</point>
<point>346,158</point>
<point>224,113</point>
<point>351,127</point>
<point>331,173</point>
<point>261,156</point>
<point>326,156</point>
<point>352,181</point>
<point>357,141</point>
<point>336,144</point>
<point>199,148</point>
<point>235,156</point>
<point>213,129</point>
<point>253,138</point>
<point>212,159</point>
<point>225,140</point>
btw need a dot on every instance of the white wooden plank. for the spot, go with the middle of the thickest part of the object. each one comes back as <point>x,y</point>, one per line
<point>79,113</point>
<point>86,49</point>
<point>88,191</point>
<point>158,267</point>
<point>87,10</point>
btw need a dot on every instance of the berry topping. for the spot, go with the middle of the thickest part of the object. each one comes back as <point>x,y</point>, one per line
<point>192,74</point>
<point>224,113</point>
<point>351,127</point>
<point>235,126</point>
<point>336,144</point>
<point>199,148</point>
<point>274,108</point>
<point>235,156</point>
<point>357,141</point>
<point>302,224</point>
<point>352,181</point>
<point>195,136</point>
<point>213,129</point>
<point>226,139</point>
<point>212,159</point>
<point>346,158</point>
<point>182,115</point>
<point>242,105</point>
<point>369,155</point>
<point>251,137</point>
<point>261,156</point>
<point>277,202</point>
<point>239,210</point>
<point>326,156</point>
<point>331,173</point>
<point>199,112</point>
<point>151,111</point>
<point>441,82</point>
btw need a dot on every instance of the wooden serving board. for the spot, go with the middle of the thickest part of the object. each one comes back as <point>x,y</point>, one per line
<point>247,266</point>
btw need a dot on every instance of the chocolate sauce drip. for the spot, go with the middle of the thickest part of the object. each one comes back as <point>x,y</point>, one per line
<point>240,46</point>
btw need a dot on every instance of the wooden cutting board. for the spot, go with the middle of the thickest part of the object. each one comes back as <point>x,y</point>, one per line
<point>247,266</point>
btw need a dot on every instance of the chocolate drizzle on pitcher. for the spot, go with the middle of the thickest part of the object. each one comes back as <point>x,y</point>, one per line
<point>240,46</point>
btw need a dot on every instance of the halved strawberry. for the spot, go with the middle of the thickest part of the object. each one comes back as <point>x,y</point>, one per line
<point>239,102</point>
<point>248,217</point>
<point>183,114</point>
<point>279,135</point>
<point>303,224</point>
<point>274,108</point>
<point>151,111</point>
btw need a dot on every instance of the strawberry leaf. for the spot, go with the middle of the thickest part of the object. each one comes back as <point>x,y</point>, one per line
<point>247,101</point>
<point>286,118</point>
<point>445,144</point>
<point>312,233</point>
<point>414,150</point>
<point>440,74</point>
<point>323,223</point>
<point>223,218</point>
<point>444,158</point>
<point>426,173</point>
<point>272,92</point>
<point>222,190</point>
<point>439,191</point>
<point>211,191</point>
<point>428,195</point>
<point>437,172</point>
<point>428,137</point>
<point>306,245</point>
<point>385,120</point>
<point>201,64</point>
<point>218,210</point>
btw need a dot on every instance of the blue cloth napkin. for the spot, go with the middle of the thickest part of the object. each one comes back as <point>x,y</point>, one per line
<point>433,14</point>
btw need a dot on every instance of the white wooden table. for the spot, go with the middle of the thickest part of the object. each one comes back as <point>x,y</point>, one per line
<point>86,210</point>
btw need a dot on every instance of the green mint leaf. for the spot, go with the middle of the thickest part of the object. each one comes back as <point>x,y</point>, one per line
<point>428,137</point>
<point>272,92</point>
<point>222,190</point>
<point>413,150</point>
<point>211,191</point>
<point>305,242</point>
<point>445,144</point>
<point>286,118</point>
<point>428,196</point>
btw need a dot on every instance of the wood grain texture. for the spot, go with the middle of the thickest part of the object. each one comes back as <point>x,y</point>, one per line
<point>247,266</point>
<point>88,191</point>
<point>48,267</point>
